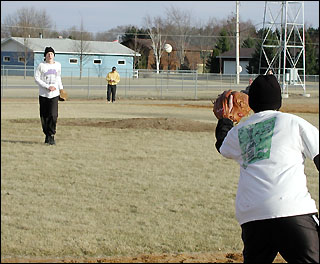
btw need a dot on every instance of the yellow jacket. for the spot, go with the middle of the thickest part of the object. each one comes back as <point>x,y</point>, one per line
<point>113,78</point>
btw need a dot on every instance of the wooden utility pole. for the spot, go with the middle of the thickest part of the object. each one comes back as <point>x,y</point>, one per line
<point>135,52</point>
<point>237,43</point>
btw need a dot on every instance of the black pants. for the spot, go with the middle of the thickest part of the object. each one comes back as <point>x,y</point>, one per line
<point>49,114</point>
<point>111,91</point>
<point>296,238</point>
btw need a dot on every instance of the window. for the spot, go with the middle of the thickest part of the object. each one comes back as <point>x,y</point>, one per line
<point>21,59</point>
<point>73,61</point>
<point>6,58</point>
<point>121,62</point>
<point>97,61</point>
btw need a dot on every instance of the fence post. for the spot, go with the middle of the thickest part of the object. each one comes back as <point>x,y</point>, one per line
<point>2,80</point>
<point>157,75</point>
<point>100,79</point>
<point>7,78</point>
<point>196,85</point>
<point>125,86</point>
<point>167,80</point>
<point>160,74</point>
<point>71,79</point>
<point>88,86</point>
<point>182,80</point>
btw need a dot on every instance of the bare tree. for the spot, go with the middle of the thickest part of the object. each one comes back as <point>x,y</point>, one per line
<point>206,39</point>
<point>82,46</point>
<point>112,34</point>
<point>5,33</point>
<point>155,28</point>
<point>27,56</point>
<point>179,27</point>
<point>27,22</point>
<point>24,55</point>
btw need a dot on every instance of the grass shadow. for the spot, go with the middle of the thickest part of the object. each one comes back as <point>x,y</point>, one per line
<point>22,141</point>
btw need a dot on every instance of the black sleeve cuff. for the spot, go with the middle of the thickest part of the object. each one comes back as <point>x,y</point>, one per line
<point>316,161</point>
<point>222,129</point>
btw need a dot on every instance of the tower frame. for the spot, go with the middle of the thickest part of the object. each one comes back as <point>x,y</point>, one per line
<point>283,43</point>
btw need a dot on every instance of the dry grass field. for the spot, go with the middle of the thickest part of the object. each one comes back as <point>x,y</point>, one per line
<point>138,181</point>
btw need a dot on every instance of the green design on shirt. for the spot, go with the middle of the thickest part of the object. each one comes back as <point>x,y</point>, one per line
<point>255,141</point>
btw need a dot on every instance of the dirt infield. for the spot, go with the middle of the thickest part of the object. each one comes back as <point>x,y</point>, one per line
<point>152,258</point>
<point>143,123</point>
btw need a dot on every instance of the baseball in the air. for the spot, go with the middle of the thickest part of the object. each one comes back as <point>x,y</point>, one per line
<point>167,47</point>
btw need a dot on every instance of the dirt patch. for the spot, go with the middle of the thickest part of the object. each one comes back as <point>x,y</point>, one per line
<point>143,123</point>
<point>286,107</point>
<point>150,258</point>
<point>133,123</point>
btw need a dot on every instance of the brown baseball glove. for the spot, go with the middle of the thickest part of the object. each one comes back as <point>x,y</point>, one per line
<point>63,95</point>
<point>231,104</point>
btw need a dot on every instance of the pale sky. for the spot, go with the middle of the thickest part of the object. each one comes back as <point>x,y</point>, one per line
<point>100,16</point>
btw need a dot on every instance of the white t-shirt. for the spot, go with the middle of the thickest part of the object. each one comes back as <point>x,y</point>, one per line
<point>48,75</point>
<point>271,148</point>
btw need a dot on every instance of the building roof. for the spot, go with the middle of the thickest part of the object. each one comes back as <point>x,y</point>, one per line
<point>243,53</point>
<point>68,46</point>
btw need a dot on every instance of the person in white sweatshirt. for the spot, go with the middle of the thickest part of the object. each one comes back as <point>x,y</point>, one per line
<point>273,205</point>
<point>48,77</point>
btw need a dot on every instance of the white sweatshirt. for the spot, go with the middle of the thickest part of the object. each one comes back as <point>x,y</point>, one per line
<point>48,75</point>
<point>271,148</point>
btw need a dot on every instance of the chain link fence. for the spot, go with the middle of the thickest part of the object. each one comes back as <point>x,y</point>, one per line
<point>140,84</point>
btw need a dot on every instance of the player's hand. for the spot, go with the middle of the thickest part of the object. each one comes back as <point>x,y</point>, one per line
<point>52,88</point>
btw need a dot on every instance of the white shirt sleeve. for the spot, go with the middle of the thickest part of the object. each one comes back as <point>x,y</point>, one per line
<point>38,77</point>
<point>310,139</point>
<point>230,147</point>
<point>59,81</point>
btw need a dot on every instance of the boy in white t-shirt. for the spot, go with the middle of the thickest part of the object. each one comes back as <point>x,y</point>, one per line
<point>273,205</point>
<point>48,78</point>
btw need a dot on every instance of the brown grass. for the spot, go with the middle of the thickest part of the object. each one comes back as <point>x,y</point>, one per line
<point>163,172</point>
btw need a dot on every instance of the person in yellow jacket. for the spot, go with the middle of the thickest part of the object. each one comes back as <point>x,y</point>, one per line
<point>112,78</point>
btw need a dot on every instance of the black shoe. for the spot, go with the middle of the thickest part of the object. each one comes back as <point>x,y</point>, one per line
<point>46,141</point>
<point>51,140</point>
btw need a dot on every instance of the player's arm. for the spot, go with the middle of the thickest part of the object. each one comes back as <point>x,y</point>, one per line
<point>222,129</point>
<point>59,80</point>
<point>38,80</point>
<point>108,77</point>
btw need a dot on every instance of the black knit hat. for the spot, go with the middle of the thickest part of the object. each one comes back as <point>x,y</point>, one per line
<point>265,94</point>
<point>49,49</point>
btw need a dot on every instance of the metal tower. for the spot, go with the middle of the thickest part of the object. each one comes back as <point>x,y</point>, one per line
<point>283,44</point>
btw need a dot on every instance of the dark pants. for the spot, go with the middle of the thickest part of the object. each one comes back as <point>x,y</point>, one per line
<point>111,91</point>
<point>48,114</point>
<point>296,238</point>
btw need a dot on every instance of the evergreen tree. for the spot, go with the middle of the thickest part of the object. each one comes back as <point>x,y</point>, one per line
<point>254,62</point>
<point>213,63</point>
<point>248,43</point>
<point>131,31</point>
<point>311,52</point>
<point>223,44</point>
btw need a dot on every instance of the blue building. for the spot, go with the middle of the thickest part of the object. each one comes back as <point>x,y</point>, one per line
<point>98,57</point>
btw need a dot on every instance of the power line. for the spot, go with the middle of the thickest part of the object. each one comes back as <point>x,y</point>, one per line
<point>143,34</point>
